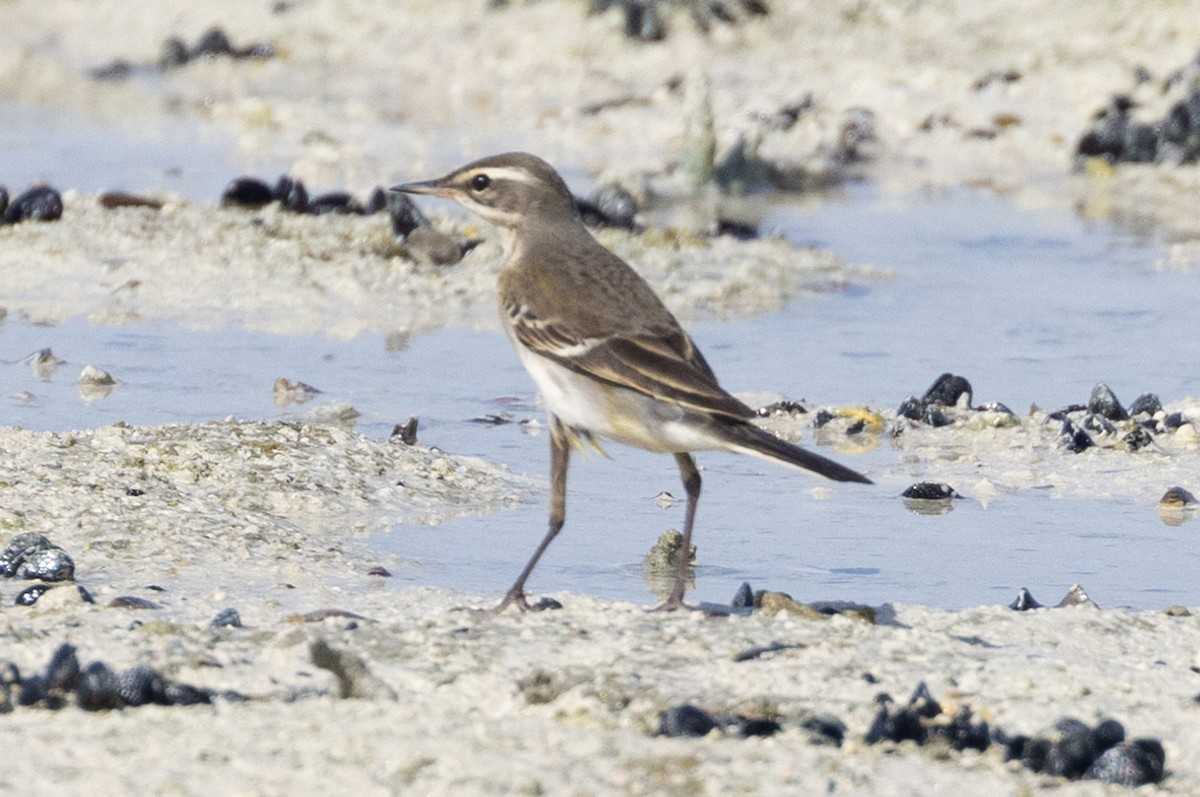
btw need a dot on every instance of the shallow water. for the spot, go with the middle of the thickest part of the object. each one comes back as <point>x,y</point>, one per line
<point>1031,307</point>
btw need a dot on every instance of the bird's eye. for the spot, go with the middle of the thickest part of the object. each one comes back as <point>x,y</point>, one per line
<point>480,181</point>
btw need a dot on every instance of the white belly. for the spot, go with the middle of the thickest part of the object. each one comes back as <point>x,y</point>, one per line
<point>616,413</point>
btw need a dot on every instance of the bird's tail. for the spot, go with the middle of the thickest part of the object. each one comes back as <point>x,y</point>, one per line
<point>749,439</point>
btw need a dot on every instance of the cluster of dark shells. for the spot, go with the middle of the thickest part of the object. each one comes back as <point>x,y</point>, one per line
<point>1175,139</point>
<point>947,391</point>
<point>645,21</point>
<point>1103,416</point>
<point>95,687</point>
<point>213,43</point>
<point>291,194</point>
<point>37,203</point>
<point>1075,750</point>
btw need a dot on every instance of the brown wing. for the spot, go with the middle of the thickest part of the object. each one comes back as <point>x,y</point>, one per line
<point>664,363</point>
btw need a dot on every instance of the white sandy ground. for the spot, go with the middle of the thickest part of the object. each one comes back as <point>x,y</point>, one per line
<point>364,93</point>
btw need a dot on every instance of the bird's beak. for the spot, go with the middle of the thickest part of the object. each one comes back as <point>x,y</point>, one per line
<point>431,187</point>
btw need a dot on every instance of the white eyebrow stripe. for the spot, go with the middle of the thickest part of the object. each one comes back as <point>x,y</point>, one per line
<point>504,173</point>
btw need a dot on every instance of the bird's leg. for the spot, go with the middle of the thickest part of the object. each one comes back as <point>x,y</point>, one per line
<point>691,483</point>
<point>560,455</point>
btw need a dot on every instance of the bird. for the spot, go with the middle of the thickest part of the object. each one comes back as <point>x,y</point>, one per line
<point>609,359</point>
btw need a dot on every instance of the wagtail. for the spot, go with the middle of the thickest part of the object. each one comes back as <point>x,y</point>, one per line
<point>608,358</point>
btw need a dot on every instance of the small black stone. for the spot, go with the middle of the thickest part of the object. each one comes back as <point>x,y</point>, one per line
<point>1024,601</point>
<point>1147,403</point>
<point>744,597</point>
<point>1109,733</point>
<point>39,203</point>
<point>227,618</point>
<point>1035,753</point>
<point>613,206</point>
<point>825,729</point>
<point>933,416</point>
<point>962,734</point>
<point>247,192</point>
<point>685,720</point>
<point>291,194</point>
<point>930,491</point>
<point>140,686</point>
<point>1098,424</point>
<point>405,215</point>
<point>1136,440</point>
<point>1137,763</point>
<point>911,408</point>
<point>98,688</point>
<point>212,43</point>
<point>30,595</point>
<point>62,673</point>
<point>947,389</point>
<point>178,694</point>
<point>822,418</point>
<point>1104,402</point>
<point>545,604</point>
<point>903,725</point>
<point>174,54</point>
<point>1072,755</point>
<point>1073,438</point>
<point>923,703</point>
<point>335,202</point>
<point>758,727</point>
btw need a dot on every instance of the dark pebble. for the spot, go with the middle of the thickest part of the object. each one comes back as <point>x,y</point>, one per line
<point>291,194</point>
<point>738,230</point>
<point>178,694</point>
<point>227,618</point>
<point>405,214</point>
<point>758,727</point>
<point>140,686</point>
<point>782,407</point>
<point>1073,438</point>
<point>947,389</point>
<point>39,203</point>
<point>1025,601</point>
<point>406,432</point>
<point>930,491</point>
<point>98,688</point>
<point>132,602</point>
<point>377,201</point>
<point>744,597</point>
<point>911,408</point>
<point>1140,762</point>
<point>380,571</point>
<point>545,604</point>
<point>933,416</point>
<point>3,200</point>
<point>822,418</point>
<point>685,720</point>
<point>30,595</point>
<point>1098,424</point>
<point>609,206</point>
<point>212,43</point>
<point>247,192</point>
<point>335,202</point>
<point>1072,755</point>
<point>901,725</point>
<point>825,729</point>
<point>1104,402</point>
<point>174,54</point>
<point>31,555</point>
<point>62,672</point>
<point>962,734</point>
<point>1147,403</point>
<point>1136,440</point>
<point>1174,420</point>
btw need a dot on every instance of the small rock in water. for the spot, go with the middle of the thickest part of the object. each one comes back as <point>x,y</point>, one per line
<point>1176,497</point>
<point>227,618</point>
<point>31,555</point>
<point>930,491</point>
<point>1145,404</point>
